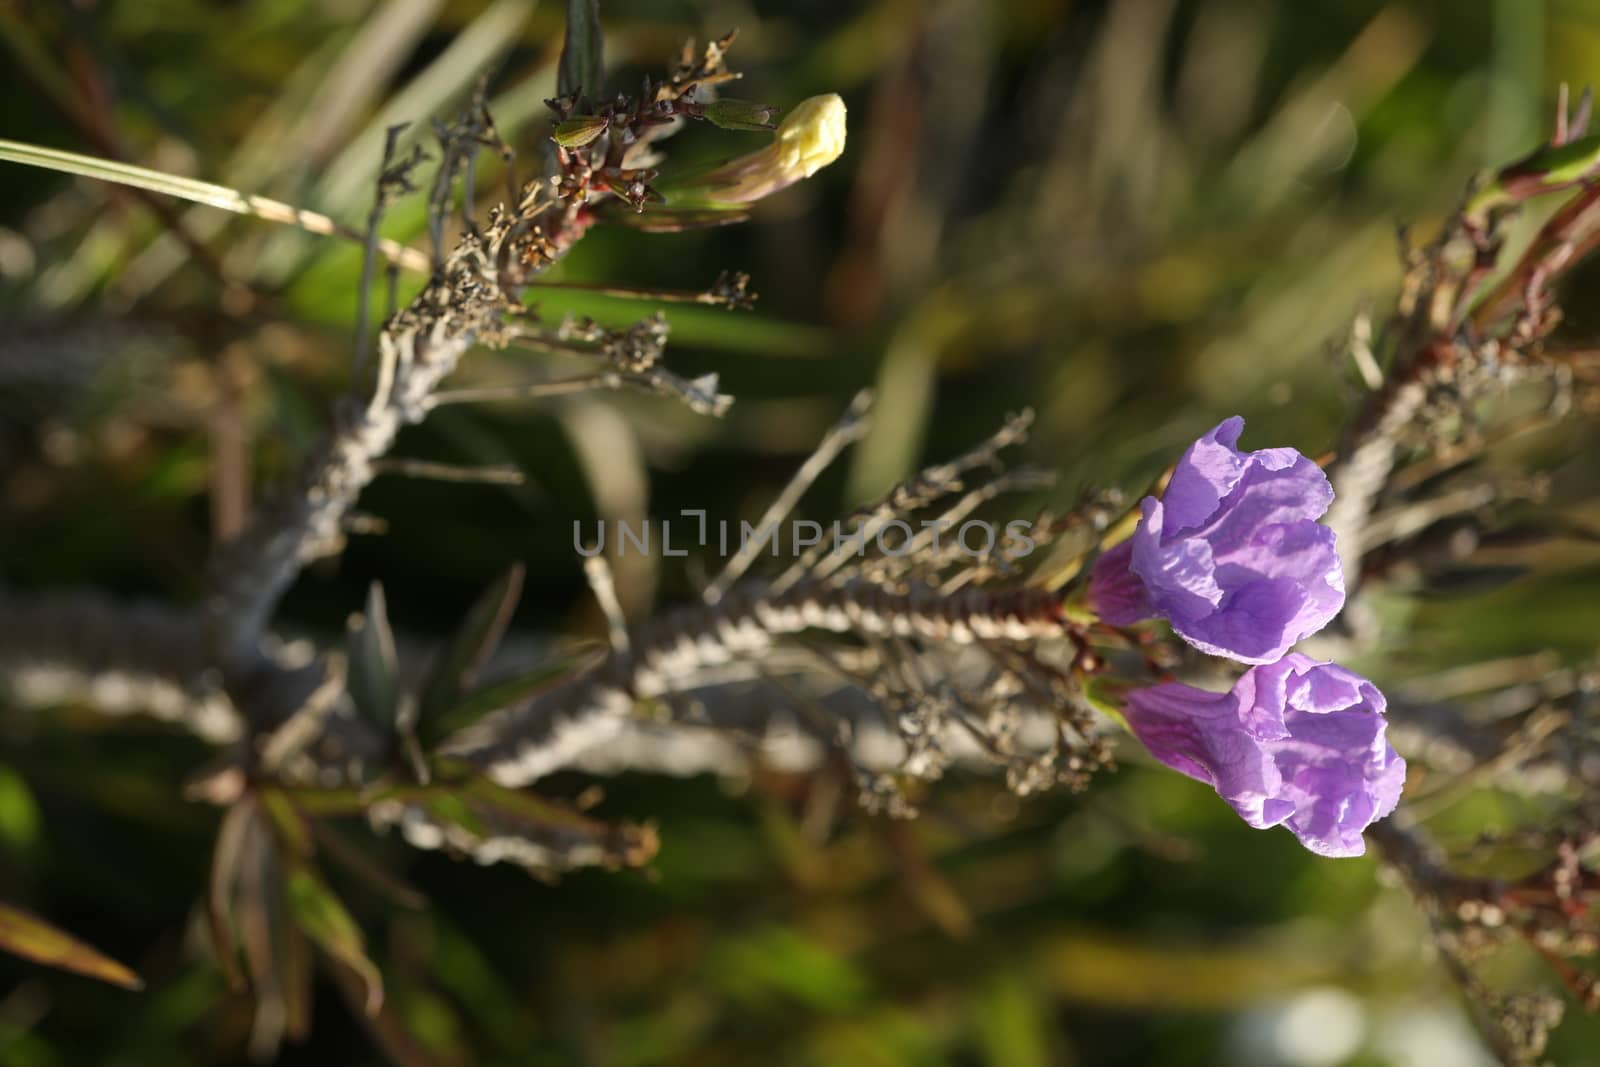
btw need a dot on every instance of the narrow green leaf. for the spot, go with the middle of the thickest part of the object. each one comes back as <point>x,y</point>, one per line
<point>676,216</point>
<point>109,170</point>
<point>337,803</point>
<point>493,823</point>
<point>745,115</point>
<point>1561,165</point>
<point>582,58</point>
<point>1106,699</point>
<point>24,934</point>
<point>323,917</point>
<point>299,983</point>
<point>1547,169</point>
<point>199,192</point>
<point>351,858</point>
<point>19,815</point>
<point>225,871</point>
<point>273,953</point>
<point>451,808</point>
<point>374,681</point>
<point>456,668</point>
<point>293,831</point>
<point>503,803</point>
<point>493,697</point>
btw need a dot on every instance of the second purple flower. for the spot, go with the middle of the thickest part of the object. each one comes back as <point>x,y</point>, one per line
<point>1298,743</point>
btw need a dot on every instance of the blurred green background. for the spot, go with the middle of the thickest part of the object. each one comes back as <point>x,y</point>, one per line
<point>1136,217</point>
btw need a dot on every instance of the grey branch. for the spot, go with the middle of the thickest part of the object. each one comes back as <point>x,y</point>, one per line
<point>121,657</point>
<point>671,654</point>
<point>419,347</point>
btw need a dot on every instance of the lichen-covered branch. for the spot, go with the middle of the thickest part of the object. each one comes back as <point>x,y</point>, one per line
<point>120,657</point>
<point>418,349</point>
<point>670,654</point>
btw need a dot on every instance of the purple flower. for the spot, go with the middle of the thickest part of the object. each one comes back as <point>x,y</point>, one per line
<point>1298,743</point>
<point>1232,555</point>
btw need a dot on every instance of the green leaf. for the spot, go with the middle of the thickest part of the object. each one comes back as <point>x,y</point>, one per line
<point>577,132</point>
<point>1106,699</point>
<point>1562,165</point>
<point>502,803</point>
<point>226,860</point>
<point>1547,169</point>
<point>744,115</point>
<point>276,956</point>
<point>199,192</point>
<point>374,680</point>
<point>293,832</point>
<point>546,836</point>
<point>677,215</point>
<point>25,934</point>
<point>323,918</point>
<point>457,667</point>
<point>492,698</point>
<point>19,815</point>
<point>702,327</point>
<point>453,809</point>
<point>349,857</point>
<point>582,58</point>
<point>217,196</point>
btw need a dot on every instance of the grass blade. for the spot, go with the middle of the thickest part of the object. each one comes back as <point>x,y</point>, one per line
<point>199,192</point>
<point>24,934</point>
<point>582,59</point>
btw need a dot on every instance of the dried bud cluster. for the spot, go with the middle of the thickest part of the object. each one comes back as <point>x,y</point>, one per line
<point>609,149</point>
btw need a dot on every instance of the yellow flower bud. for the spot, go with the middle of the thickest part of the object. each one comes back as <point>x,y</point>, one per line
<point>810,137</point>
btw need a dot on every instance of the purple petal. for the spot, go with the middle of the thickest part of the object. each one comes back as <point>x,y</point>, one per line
<point>1278,486</point>
<point>1341,775</point>
<point>1181,575</point>
<point>1198,734</point>
<point>1262,696</point>
<point>1115,591</point>
<point>1328,687</point>
<point>1253,624</point>
<point>1207,473</point>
